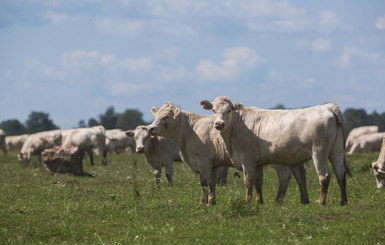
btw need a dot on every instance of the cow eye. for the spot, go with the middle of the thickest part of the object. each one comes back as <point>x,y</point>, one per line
<point>213,111</point>
<point>228,111</point>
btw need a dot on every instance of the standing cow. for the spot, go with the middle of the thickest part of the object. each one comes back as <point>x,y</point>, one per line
<point>117,141</point>
<point>379,166</point>
<point>2,142</point>
<point>203,149</point>
<point>158,151</point>
<point>254,137</point>
<point>367,143</point>
<point>36,143</point>
<point>356,133</point>
<point>87,139</point>
<point>15,141</point>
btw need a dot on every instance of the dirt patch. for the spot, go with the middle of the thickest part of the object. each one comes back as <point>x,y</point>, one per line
<point>328,217</point>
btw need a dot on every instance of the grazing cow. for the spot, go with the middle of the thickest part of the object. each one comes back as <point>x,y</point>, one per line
<point>379,167</point>
<point>367,143</point>
<point>2,142</point>
<point>87,139</point>
<point>117,141</point>
<point>202,148</point>
<point>36,143</point>
<point>158,151</point>
<point>15,142</point>
<point>255,137</point>
<point>356,133</point>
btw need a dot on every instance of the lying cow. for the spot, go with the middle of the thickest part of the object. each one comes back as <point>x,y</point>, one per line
<point>203,149</point>
<point>87,139</point>
<point>158,151</point>
<point>15,142</point>
<point>367,143</point>
<point>255,137</point>
<point>117,141</point>
<point>356,133</point>
<point>379,167</point>
<point>36,143</point>
<point>2,142</point>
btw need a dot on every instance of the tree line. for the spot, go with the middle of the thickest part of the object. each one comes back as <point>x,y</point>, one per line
<point>131,118</point>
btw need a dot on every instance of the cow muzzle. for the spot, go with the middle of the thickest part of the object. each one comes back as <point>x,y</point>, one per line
<point>219,125</point>
<point>140,149</point>
<point>379,173</point>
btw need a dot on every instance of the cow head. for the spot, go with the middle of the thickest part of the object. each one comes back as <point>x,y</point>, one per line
<point>142,138</point>
<point>379,173</point>
<point>23,158</point>
<point>165,119</point>
<point>222,109</point>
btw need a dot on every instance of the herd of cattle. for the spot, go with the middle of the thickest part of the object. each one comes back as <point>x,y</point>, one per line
<point>247,138</point>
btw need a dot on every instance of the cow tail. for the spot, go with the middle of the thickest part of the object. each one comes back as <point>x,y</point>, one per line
<point>341,122</point>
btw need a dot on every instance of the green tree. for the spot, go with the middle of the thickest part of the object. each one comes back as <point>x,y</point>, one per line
<point>38,122</point>
<point>109,118</point>
<point>92,122</point>
<point>12,127</point>
<point>129,119</point>
<point>82,124</point>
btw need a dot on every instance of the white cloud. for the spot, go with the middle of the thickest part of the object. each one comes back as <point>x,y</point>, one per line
<point>348,53</point>
<point>121,88</point>
<point>59,18</point>
<point>121,26</point>
<point>380,23</point>
<point>319,45</point>
<point>235,60</point>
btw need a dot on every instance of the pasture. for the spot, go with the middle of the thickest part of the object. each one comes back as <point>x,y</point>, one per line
<point>120,204</point>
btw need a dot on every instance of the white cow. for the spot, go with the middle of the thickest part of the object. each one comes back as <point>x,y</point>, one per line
<point>36,143</point>
<point>86,139</point>
<point>203,149</point>
<point>2,142</point>
<point>117,141</point>
<point>367,143</point>
<point>15,142</point>
<point>158,151</point>
<point>379,167</point>
<point>255,137</point>
<point>356,133</point>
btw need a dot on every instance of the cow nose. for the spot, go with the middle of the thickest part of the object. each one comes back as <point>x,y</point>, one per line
<point>140,149</point>
<point>219,124</point>
<point>151,130</point>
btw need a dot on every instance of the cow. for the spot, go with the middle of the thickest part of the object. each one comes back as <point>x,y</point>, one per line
<point>15,142</point>
<point>379,167</point>
<point>36,143</point>
<point>367,143</point>
<point>255,137</point>
<point>356,133</point>
<point>2,142</point>
<point>158,151</point>
<point>87,139</point>
<point>117,141</point>
<point>203,149</point>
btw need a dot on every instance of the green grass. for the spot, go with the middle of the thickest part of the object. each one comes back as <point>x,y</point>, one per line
<point>121,204</point>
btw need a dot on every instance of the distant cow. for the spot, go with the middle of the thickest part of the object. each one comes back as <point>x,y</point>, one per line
<point>36,143</point>
<point>117,141</point>
<point>2,142</point>
<point>15,142</point>
<point>367,143</point>
<point>158,151</point>
<point>356,133</point>
<point>379,167</point>
<point>255,137</point>
<point>202,147</point>
<point>87,139</point>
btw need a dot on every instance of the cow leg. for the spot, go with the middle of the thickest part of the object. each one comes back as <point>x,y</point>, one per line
<point>299,173</point>
<point>249,177</point>
<point>258,184</point>
<point>169,172</point>
<point>284,176</point>
<point>90,154</point>
<point>158,173</point>
<point>213,184</point>
<point>321,166</point>
<point>337,161</point>
<point>104,161</point>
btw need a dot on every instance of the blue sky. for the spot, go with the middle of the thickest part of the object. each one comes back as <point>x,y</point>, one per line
<point>73,59</point>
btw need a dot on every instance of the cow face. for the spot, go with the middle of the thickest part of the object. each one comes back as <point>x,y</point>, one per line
<point>222,109</point>
<point>22,157</point>
<point>165,119</point>
<point>379,173</point>
<point>142,138</point>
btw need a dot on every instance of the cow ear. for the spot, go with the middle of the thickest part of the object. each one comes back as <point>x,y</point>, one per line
<point>130,133</point>
<point>237,106</point>
<point>176,112</point>
<point>154,110</point>
<point>206,105</point>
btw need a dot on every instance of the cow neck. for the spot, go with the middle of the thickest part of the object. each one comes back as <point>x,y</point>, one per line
<point>185,123</point>
<point>152,146</point>
<point>381,157</point>
<point>228,135</point>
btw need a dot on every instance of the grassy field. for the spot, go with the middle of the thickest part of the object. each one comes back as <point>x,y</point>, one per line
<point>120,204</point>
